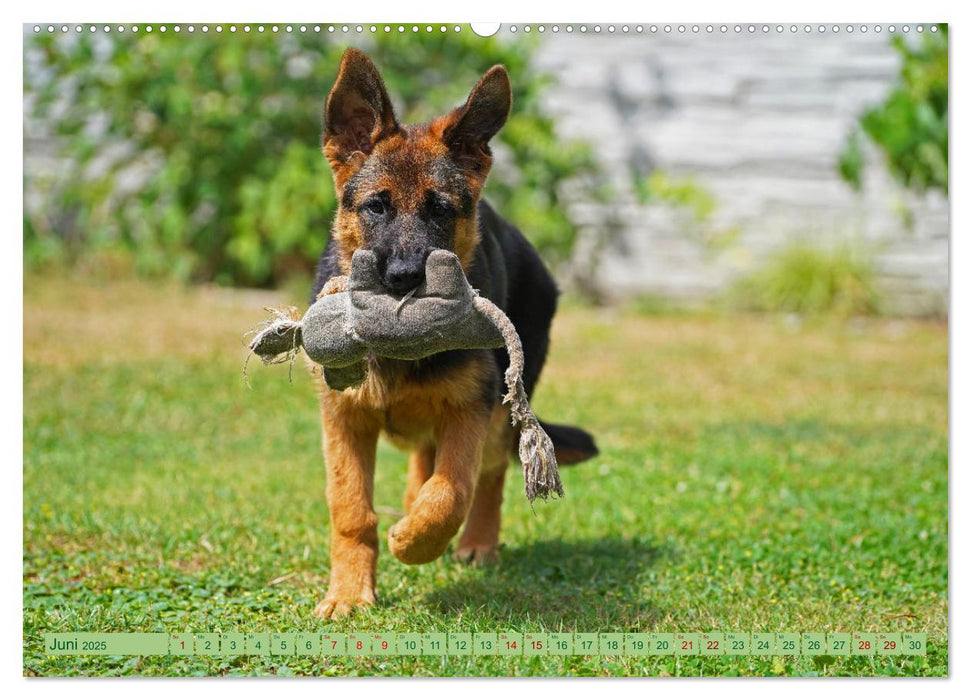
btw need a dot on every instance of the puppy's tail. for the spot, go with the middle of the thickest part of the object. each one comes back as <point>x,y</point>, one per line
<point>571,445</point>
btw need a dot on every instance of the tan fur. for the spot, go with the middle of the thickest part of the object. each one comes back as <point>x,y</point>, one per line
<point>334,285</point>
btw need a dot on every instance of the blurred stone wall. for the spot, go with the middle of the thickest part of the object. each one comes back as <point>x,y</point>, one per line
<point>758,120</point>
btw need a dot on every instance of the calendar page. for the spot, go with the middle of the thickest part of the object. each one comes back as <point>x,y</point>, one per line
<point>485,350</point>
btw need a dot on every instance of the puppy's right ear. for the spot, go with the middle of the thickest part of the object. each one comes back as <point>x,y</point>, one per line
<point>358,112</point>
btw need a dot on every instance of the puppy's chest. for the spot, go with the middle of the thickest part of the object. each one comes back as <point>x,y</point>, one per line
<point>413,401</point>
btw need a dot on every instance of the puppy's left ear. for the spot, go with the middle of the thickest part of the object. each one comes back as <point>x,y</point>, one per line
<point>469,128</point>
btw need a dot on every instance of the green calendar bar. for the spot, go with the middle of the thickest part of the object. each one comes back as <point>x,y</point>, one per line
<point>361,644</point>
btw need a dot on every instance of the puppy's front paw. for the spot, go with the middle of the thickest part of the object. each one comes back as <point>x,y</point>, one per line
<point>415,545</point>
<point>339,604</point>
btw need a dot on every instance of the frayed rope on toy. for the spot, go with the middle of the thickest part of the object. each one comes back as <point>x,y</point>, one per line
<point>536,453</point>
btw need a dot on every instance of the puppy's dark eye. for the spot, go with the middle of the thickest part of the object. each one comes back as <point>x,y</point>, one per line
<point>438,209</point>
<point>375,206</point>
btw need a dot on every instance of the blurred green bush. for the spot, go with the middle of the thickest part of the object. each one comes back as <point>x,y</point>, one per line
<point>808,279</point>
<point>199,155</point>
<point>697,204</point>
<point>910,127</point>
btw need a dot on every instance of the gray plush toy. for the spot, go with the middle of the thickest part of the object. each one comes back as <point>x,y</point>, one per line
<point>443,313</point>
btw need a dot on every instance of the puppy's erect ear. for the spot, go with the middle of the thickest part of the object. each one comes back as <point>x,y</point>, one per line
<point>358,112</point>
<point>469,128</point>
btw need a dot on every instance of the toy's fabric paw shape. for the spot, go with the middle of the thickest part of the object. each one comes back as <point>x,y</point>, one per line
<point>445,278</point>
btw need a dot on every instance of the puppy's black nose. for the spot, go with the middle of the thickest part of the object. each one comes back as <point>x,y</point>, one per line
<point>403,275</point>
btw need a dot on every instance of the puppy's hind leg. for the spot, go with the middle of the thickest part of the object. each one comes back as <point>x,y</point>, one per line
<point>479,543</point>
<point>421,465</point>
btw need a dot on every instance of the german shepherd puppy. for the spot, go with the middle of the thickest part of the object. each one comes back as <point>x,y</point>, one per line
<point>404,191</point>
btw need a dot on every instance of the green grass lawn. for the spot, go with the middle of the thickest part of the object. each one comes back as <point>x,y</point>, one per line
<point>753,477</point>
